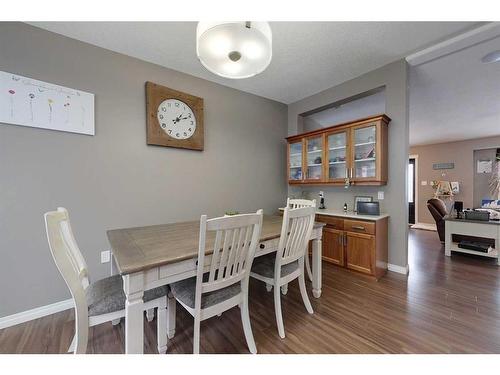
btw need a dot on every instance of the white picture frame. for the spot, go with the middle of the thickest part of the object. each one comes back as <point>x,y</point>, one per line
<point>29,102</point>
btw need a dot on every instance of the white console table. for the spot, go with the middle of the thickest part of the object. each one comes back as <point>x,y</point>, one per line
<point>476,228</point>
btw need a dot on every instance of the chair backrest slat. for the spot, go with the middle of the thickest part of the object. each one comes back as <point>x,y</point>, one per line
<point>298,222</point>
<point>216,256</point>
<point>236,239</point>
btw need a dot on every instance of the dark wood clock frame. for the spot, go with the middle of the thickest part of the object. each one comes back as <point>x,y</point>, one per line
<point>155,94</point>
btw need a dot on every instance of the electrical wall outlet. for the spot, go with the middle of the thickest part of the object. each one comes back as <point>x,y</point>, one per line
<point>105,256</point>
<point>380,195</point>
<point>424,183</point>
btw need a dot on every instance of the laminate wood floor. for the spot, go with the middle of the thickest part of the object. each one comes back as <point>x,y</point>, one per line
<point>446,305</point>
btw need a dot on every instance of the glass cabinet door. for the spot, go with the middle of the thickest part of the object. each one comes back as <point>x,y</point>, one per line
<point>314,158</point>
<point>295,161</point>
<point>337,156</point>
<point>365,166</point>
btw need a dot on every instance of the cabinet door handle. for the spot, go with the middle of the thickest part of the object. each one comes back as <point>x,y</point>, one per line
<point>345,238</point>
<point>350,171</point>
<point>359,227</point>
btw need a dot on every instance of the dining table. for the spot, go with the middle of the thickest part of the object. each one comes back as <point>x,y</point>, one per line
<point>151,256</point>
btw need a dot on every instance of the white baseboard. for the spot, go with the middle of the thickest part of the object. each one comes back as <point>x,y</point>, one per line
<point>38,312</point>
<point>398,269</point>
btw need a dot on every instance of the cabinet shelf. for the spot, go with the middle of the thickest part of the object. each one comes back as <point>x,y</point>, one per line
<point>367,159</point>
<point>314,151</point>
<point>337,148</point>
<point>364,144</point>
<point>336,162</point>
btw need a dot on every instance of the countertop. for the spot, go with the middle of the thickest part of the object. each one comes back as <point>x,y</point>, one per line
<point>349,214</point>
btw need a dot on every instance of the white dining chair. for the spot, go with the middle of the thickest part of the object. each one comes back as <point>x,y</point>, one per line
<point>288,263</point>
<point>99,302</point>
<point>221,281</point>
<point>299,203</point>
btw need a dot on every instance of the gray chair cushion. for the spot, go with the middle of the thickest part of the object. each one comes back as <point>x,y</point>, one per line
<point>264,266</point>
<point>107,295</point>
<point>184,291</point>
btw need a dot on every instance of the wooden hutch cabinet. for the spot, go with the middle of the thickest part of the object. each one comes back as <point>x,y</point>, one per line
<point>356,151</point>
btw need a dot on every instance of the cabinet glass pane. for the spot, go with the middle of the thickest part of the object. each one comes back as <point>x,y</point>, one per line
<point>296,161</point>
<point>314,156</point>
<point>364,152</point>
<point>337,152</point>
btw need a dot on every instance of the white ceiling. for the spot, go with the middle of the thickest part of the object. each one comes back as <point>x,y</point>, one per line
<point>308,57</point>
<point>455,97</point>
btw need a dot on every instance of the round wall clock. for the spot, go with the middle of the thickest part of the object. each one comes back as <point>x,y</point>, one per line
<point>175,119</point>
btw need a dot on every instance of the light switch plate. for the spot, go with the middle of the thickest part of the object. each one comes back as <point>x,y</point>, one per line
<point>424,183</point>
<point>380,195</point>
<point>105,256</point>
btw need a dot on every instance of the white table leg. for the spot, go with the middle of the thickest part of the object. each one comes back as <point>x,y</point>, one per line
<point>171,306</point>
<point>447,238</point>
<point>133,286</point>
<point>316,267</point>
<point>284,289</point>
<point>150,314</point>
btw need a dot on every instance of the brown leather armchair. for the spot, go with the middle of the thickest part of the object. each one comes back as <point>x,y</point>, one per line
<point>438,211</point>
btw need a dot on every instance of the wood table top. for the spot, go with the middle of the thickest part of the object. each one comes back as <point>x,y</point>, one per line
<point>141,248</point>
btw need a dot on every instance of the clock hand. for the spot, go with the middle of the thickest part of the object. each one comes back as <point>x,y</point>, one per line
<point>177,119</point>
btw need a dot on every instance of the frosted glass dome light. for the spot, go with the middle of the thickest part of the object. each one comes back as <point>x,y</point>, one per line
<point>234,49</point>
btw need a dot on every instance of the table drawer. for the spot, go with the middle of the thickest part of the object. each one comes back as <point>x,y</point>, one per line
<point>332,222</point>
<point>359,226</point>
<point>266,247</point>
<point>176,268</point>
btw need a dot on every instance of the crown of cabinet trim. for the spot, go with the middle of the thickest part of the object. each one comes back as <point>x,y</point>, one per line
<point>380,146</point>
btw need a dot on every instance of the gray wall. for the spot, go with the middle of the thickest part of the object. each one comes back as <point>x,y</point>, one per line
<point>462,154</point>
<point>114,179</point>
<point>394,77</point>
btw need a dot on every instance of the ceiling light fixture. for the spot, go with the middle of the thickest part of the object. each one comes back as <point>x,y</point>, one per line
<point>234,49</point>
<point>491,57</point>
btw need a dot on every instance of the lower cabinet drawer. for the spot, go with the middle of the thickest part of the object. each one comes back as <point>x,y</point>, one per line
<point>332,222</point>
<point>358,226</point>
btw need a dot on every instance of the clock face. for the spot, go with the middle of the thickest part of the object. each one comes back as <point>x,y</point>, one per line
<point>176,119</point>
